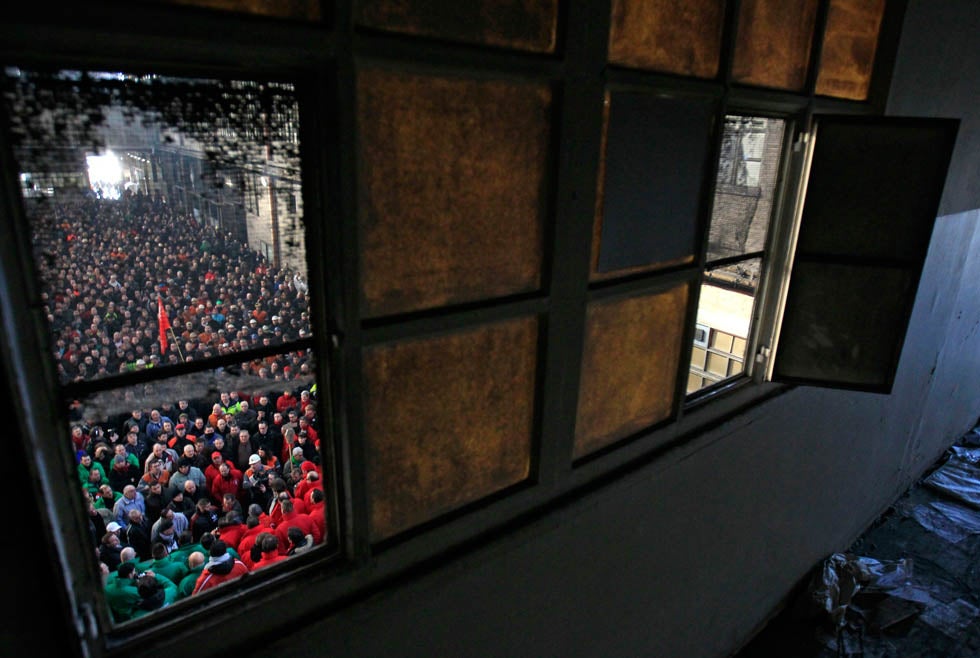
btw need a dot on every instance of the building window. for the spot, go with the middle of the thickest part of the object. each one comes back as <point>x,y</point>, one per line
<point>184,353</point>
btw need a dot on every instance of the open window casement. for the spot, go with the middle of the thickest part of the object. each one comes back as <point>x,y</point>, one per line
<point>869,194</point>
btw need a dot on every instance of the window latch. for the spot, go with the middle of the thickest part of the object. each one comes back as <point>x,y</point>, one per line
<point>762,355</point>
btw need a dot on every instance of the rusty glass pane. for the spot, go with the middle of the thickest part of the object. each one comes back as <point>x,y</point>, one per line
<point>452,188</point>
<point>629,366</point>
<point>672,36</point>
<point>166,216</point>
<point>308,10</point>
<point>850,43</point>
<point>449,420</point>
<point>530,25</point>
<point>773,42</point>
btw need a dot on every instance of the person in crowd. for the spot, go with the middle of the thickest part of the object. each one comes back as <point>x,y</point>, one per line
<point>138,534</point>
<point>221,568</point>
<point>162,564</point>
<point>131,499</point>
<point>154,500</point>
<point>180,439</point>
<point>186,470</point>
<point>155,474</point>
<point>123,474</point>
<point>195,565</point>
<point>105,500</point>
<point>292,518</point>
<point>170,526</point>
<point>271,552</point>
<point>298,542</point>
<point>310,480</point>
<point>228,481</point>
<point>85,467</point>
<point>121,593</point>
<point>317,511</point>
<point>155,591</point>
<point>204,519</point>
<point>231,528</point>
<point>292,470</point>
<point>110,549</point>
<point>244,448</point>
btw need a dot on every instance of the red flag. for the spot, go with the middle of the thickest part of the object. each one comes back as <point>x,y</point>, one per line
<point>164,324</point>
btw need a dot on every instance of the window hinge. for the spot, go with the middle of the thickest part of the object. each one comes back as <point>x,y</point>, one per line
<point>86,625</point>
<point>762,356</point>
<point>799,144</point>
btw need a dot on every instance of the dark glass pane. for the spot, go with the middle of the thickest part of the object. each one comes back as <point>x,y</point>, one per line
<point>845,325</point>
<point>871,202</point>
<point>453,188</point>
<point>520,24</point>
<point>656,150</point>
<point>849,46</point>
<point>874,187</point>
<point>748,169</point>
<point>634,345</point>
<point>166,216</point>
<point>773,44</point>
<point>450,420</point>
<point>673,36</point>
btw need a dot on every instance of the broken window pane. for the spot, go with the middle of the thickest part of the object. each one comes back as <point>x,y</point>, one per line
<point>166,216</point>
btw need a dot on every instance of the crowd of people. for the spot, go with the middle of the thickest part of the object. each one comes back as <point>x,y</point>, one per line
<point>184,498</point>
<point>107,267</point>
<point>183,495</point>
<point>180,501</point>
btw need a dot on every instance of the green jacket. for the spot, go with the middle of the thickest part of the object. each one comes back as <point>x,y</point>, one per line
<point>186,586</point>
<point>122,597</point>
<point>172,569</point>
<point>83,476</point>
<point>168,596</point>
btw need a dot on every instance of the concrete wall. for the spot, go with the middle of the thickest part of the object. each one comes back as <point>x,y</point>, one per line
<point>688,556</point>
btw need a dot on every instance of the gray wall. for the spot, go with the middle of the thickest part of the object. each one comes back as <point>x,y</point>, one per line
<point>687,557</point>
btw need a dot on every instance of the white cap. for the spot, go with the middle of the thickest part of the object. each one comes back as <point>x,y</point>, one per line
<point>254,459</point>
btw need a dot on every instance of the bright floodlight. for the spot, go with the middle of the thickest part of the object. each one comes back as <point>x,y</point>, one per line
<point>105,174</point>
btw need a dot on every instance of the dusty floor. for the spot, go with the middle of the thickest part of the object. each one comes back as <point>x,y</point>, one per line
<point>917,578</point>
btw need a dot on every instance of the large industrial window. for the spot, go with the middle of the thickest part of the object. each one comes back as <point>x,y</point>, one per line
<point>181,343</point>
<point>521,242</point>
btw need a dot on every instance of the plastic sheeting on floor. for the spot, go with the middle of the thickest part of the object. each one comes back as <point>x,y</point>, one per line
<point>959,477</point>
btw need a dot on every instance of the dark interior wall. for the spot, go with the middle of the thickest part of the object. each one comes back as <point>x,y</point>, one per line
<point>936,75</point>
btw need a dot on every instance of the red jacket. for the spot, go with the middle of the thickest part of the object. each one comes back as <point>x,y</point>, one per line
<point>301,521</point>
<point>233,485</point>
<point>268,558</point>
<point>214,575</point>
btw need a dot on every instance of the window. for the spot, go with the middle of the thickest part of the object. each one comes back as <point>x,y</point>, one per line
<point>516,251</point>
<point>183,347</point>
